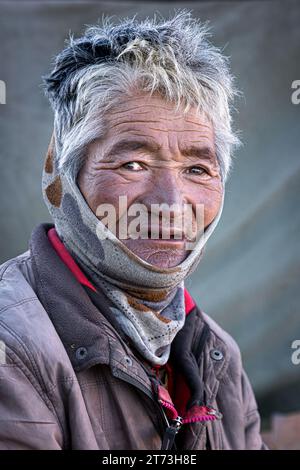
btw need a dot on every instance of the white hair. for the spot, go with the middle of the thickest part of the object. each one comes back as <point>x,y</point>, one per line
<point>172,57</point>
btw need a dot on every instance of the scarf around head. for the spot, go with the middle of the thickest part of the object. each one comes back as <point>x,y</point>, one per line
<point>143,302</point>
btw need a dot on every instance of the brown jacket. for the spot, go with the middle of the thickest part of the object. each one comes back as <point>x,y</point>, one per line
<point>69,381</point>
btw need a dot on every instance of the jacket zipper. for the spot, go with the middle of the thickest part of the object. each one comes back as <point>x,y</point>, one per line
<point>170,433</point>
<point>127,378</point>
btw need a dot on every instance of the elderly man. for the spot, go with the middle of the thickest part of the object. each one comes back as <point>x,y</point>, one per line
<point>104,346</point>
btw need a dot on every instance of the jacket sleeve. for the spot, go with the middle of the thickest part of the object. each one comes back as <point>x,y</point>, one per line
<point>253,437</point>
<point>26,422</point>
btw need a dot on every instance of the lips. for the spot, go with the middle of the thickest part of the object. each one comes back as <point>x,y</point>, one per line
<point>157,233</point>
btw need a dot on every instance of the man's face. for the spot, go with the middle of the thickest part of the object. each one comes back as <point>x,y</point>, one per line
<point>153,155</point>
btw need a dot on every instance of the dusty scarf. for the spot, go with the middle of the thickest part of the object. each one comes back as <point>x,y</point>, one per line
<point>143,302</point>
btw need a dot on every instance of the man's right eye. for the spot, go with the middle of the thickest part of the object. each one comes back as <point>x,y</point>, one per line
<point>133,166</point>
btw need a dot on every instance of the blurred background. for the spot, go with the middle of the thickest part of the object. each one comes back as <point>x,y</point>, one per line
<point>248,280</point>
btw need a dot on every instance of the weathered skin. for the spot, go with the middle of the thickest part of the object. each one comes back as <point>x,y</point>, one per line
<point>161,169</point>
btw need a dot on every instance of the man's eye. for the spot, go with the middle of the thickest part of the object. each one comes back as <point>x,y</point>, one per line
<point>134,166</point>
<point>196,170</point>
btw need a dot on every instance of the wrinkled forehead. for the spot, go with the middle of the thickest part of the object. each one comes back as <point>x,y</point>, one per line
<point>153,125</point>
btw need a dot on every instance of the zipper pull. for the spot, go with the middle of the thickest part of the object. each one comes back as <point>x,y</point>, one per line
<point>170,433</point>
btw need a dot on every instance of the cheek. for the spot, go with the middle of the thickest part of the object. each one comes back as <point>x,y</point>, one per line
<point>211,197</point>
<point>211,209</point>
<point>105,187</point>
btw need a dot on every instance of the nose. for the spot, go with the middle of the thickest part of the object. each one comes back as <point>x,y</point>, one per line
<point>165,202</point>
<point>165,189</point>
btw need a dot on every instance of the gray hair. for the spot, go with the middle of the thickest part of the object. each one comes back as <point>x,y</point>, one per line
<point>172,57</point>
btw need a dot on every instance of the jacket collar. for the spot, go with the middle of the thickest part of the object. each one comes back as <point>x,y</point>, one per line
<point>88,337</point>
<point>82,329</point>
<point>86,334</point>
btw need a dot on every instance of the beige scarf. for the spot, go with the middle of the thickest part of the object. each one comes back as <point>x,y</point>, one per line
<point>144,302</point>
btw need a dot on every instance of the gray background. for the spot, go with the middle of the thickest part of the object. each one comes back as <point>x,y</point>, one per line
<point>249,278</point>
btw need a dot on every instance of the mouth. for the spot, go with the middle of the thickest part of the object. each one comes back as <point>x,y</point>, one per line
<point>158,235</point>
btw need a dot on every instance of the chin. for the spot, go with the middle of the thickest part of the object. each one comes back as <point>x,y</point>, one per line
<point>160,253</point>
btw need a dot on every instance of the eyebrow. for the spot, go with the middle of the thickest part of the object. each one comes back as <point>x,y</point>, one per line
<point>131,146</point>
<point>152,147</point>
<point>198,152</point>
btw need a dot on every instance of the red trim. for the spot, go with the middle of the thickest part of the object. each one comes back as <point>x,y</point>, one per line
<point>189,302</point>
<point>166,401</point>
<point>196,413</point>
<point>67,259</point>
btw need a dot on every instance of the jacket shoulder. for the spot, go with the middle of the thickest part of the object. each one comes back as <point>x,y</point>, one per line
<point>16,280</point>
<point>27,334</point>
<point>222,337</point>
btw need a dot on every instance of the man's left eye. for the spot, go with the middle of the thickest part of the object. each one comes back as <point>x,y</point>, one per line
<point>134,166</point>
<point>197,170</point>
